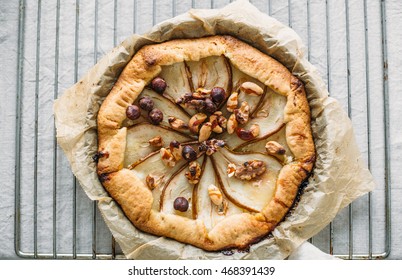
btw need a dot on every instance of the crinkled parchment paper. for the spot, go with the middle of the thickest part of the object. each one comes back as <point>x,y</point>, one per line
<point>340,175</point>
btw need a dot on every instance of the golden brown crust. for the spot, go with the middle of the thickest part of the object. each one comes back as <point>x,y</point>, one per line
<point>288,183</point>
<point>113,152</point>
<point>133,196</point>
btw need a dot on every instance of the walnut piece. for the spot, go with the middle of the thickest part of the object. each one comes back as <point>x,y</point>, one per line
<point>250,170</point>
<point>167,157</point>
<point>242,114</point>
<point>177,124</point>
<point>154,180</point>
<point>176,149</point>
<point>201,93</point>
<point>194,173</point>
<point>232,124</point>
<point>231,169</point>
<point>156,142</point>
<point>222,121</point>
<point>199,100</point>
<point>211,146</point>
<point>184,98</point>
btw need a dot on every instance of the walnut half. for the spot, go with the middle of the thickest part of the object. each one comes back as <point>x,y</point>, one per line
<point>250,170</point>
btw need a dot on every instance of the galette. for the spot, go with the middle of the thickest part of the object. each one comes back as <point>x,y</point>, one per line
<point>206,141</point>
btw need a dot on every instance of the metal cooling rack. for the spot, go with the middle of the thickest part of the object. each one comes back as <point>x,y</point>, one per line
<point>56,196</point>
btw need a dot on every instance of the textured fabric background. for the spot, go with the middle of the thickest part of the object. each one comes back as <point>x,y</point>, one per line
<point>50,65</point>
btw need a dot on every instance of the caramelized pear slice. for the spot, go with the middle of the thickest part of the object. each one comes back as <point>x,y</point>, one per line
<point>203,208</point>
<point>153,166</point>
<point>178,83</point>
<point>269,117</point>
<point>252,195</point>
<point>138,136</point>
<point>177,186</point>
<point>214,71</point>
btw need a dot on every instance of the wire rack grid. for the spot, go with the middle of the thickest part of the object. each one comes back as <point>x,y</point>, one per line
<point>59,40</point>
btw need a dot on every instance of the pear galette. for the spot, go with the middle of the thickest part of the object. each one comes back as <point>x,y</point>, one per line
<point>205,141</point>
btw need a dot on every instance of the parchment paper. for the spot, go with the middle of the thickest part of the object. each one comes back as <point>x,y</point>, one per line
<point>340,175</point>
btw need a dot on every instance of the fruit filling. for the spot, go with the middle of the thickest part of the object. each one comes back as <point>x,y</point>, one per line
<point>208,140</point>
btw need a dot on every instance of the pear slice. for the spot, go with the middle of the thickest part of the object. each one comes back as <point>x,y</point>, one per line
<point>138,136</point>
<point>268,115</point>
<point>178,186</point>
<point>214,71</point>
<point>203,208</point>
<point>251,195</point>
<point>153,166</point>
<point>253,101</point>
<point>178,83</point>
